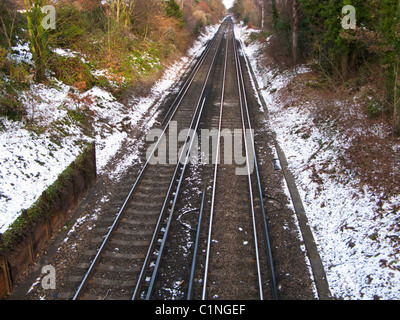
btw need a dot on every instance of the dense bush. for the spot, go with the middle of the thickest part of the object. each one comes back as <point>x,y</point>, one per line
<point>71,26</point>
<point>308,29</point>
<point>173,10</point>
<point>10,106</point>
<point>73,71</point>
<point>374,46</point>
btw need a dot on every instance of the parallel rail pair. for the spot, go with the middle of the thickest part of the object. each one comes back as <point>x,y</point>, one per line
<point>147,278</point>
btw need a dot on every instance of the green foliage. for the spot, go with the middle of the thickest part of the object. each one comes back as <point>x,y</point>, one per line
<point>10,106</point>
<point>73,71</point>
<point>142,59</point>
<point>257,36</point>
<point>198,27</point>
<point>373,109</point>
<point>10,20</point>
<point>326,25</point>
<point>71,26</point>
<point>3,58</point>
<point>76,116</point>
<point>173,10</point>
<point>334,44</point>
<point>375,42</point>
<point>38,38</point>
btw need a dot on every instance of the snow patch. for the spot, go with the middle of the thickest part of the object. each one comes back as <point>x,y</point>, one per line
<point>31,160</point>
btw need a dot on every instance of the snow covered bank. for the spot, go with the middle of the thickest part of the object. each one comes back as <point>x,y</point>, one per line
<point>358,239</point>
<point>33,152</point>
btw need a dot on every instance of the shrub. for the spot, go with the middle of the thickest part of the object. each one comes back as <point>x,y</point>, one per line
<point>3,58</point>
<point>10,106</point>
<point>373,109</point>
<point>71,26</point>
<point>173,10</point>
<point>74,72</point>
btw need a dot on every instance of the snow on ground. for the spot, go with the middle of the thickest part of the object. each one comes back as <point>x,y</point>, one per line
<point>356,245</point>
<point>32,158</point>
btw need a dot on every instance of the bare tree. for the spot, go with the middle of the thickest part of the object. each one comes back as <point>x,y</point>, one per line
<point>9,7</point>
<point>122,10</point>
<point>262,4</point>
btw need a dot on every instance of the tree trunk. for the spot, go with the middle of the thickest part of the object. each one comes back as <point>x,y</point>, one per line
<point>396,107</point>
<point>295,30</point>
<point>345,66</point>
<point>275,14</point>
<point>262,14</point>
<point>396,113</point>
<point>37,36</point>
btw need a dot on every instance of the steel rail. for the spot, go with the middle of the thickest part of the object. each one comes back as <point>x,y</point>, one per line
<point>138,179</point>
<point>200,105</point>
<point>241,90</point>
<point>217,159</point>
<point>196,246</point>
<point>166,232</point>
<point>190,78</point>
<point>256,169</point>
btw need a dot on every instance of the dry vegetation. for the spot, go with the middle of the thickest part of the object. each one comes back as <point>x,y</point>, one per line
<point>369,152</point>
<point>131,41</point>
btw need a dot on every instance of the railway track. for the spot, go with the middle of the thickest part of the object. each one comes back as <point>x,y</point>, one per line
<point>193,229</point>
<point>236,244</point>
